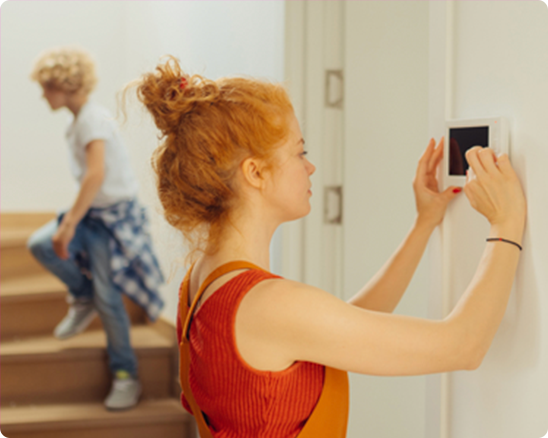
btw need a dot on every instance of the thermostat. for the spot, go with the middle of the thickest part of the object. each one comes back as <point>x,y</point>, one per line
<point>462,135</point>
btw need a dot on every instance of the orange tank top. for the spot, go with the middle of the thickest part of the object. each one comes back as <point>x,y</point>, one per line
<point>236,399</point>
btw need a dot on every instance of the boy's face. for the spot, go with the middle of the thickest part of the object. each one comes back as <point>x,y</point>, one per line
<point>56,98</point>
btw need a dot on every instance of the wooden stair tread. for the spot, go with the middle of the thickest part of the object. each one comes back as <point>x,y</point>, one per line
<point>10,237</point>
<point>142,338</point>
<point>30,286</point>
<point>90,414</point>
<point>28,219</point>
<point>40,369</point>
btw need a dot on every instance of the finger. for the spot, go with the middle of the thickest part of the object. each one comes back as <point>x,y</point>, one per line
<point>475,163</point>
<point>471,174</point>
<point>436,157</point>
<point>471,195</point>
<point>477,196</point>
<point>488,159</point>
<point>422,167</point>
<point>451,192</point>
<point>470,190</point>
<point>64,252</point>
<point>425,157</point>
<point>504,165</point>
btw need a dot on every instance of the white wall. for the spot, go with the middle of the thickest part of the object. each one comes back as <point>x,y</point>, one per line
<point>214,38</point>
<point>498,61</point>
<point>34,168</point>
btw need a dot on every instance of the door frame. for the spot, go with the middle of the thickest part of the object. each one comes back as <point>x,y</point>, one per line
<point>441,92</point>
<point>311,248</point>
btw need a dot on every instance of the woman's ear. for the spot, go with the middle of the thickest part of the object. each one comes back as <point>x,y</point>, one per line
<point>253,173</point>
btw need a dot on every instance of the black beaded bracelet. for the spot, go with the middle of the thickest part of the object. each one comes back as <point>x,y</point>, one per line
<point>500,239</point>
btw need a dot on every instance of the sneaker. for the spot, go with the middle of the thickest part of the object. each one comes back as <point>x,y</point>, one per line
<point>124,393</point>
<point>78,318</point>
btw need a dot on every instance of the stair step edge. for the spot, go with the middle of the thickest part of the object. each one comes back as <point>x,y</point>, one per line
<point>15,237</point>
<point>36,283</point>
<point>77,355</point>
<point>91,415</point>
<point>24,297</point>
<point>145,340</point>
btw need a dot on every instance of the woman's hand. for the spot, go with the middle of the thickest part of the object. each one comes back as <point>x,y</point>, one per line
<point>61,240</point>
<point>431,204</point>
<point>493,188</point>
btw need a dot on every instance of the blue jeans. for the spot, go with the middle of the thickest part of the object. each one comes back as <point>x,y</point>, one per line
<point>94,239</point>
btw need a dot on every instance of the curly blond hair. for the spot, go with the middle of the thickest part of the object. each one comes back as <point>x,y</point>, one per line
<point>67,68</point>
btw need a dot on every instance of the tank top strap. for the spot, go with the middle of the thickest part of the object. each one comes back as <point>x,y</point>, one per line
<point>218,272</point>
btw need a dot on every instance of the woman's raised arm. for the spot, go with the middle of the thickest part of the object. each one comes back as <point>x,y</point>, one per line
<point>385,290</point>
<point>281,321</point>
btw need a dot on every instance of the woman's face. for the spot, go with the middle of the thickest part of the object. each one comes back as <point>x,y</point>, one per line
<point>288,189</point>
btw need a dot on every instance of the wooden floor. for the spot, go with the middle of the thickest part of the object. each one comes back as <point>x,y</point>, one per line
<point>55,389</point>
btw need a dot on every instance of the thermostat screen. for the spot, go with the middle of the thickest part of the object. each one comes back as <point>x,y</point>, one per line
<point>462,139</point>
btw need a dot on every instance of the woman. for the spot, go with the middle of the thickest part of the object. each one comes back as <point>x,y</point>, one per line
<point>259,351</point>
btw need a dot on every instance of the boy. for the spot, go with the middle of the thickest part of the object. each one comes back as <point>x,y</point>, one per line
<point>101,246</point>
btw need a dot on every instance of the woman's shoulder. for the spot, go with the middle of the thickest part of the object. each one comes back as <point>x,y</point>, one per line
<point>275,294</point>
<point>278,319</point>
<point>283,287</point>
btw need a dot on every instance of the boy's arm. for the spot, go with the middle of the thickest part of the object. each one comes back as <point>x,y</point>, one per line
<point>91,183</point>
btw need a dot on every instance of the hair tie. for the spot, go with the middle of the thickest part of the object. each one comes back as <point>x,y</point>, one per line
<point>183,83</point>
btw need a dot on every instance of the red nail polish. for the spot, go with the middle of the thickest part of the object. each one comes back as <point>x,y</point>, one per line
<point>457,190</point>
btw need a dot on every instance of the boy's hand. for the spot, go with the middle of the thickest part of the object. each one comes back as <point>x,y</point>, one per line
<point>61,240</point>
<point>90,185</point>
<point>431,204</point>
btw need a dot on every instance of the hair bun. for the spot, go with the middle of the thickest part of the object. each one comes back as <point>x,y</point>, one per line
<point>209,127</point>
<point>170,94</point>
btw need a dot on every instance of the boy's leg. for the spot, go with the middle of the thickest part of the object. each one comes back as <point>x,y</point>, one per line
<point>41,247</point>
<point>81,311</point>
<point>109,303</point>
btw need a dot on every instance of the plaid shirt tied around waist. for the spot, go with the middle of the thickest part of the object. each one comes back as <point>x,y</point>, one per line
<point>135,269</point>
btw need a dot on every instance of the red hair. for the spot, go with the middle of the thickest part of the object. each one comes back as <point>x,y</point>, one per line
<point>208,128</point>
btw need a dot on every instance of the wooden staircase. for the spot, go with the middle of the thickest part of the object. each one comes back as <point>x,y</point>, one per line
<point>55,389</point>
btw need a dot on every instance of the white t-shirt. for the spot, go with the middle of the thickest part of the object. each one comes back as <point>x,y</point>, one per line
<point>94,122</point>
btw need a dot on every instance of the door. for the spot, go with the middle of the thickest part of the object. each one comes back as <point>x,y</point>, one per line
<point>385,132</point>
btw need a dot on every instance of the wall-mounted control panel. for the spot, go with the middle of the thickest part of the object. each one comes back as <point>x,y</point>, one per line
<point>461,135</point>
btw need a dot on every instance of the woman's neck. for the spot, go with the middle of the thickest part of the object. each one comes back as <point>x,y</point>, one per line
<point>251,243</point>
